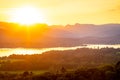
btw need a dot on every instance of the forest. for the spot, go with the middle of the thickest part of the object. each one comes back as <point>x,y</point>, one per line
<point>70,59</point>
<point>101,73</point>
<point>79,64</point>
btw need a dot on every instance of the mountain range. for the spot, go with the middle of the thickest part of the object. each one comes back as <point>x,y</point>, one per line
<point>43,35</point>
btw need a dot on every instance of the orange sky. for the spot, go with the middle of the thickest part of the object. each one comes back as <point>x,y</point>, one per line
<point>68,11</point>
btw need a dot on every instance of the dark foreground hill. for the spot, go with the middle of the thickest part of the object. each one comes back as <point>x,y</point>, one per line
<point>70,59</point>
<point>80,64</point>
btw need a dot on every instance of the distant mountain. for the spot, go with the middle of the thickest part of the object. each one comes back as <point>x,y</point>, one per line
<point>42,35</point>
<point>88,30</point>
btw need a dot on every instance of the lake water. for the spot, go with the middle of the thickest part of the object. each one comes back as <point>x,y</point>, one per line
<point>9,51</point>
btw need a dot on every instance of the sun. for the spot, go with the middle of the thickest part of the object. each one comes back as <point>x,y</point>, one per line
<point>27,15</point>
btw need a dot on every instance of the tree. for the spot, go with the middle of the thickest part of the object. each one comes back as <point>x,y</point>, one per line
<point>117,68</point>
<point>25,74</point>
<point>63,70</point>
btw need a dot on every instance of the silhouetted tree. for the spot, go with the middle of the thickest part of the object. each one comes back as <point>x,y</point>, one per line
<point>63,70</point>
<point>25,74</point>
<point>117,68</point>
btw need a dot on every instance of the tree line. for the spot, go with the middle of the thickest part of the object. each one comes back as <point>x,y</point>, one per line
<point>71,59</point>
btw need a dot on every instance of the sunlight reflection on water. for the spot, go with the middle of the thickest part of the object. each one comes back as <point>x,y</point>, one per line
<point>9,51</point>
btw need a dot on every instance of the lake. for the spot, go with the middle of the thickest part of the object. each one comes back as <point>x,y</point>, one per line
<point>9,51</point>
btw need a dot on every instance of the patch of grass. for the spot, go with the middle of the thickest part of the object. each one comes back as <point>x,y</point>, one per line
<point>21,72</point>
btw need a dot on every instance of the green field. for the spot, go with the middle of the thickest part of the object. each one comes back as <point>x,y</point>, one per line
<point>21,72</point>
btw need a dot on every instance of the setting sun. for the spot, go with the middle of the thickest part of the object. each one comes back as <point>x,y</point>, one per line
<point>27,15</point>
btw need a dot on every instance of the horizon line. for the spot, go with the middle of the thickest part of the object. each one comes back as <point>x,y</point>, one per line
<point>77,23</point>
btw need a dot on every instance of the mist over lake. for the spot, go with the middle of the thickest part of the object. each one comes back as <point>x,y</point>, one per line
<point>30,51</point>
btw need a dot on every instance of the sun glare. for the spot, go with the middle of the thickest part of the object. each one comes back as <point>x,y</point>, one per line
<point>27,15</point>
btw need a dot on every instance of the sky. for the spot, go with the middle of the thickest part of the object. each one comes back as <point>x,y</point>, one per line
<point>64,12</point>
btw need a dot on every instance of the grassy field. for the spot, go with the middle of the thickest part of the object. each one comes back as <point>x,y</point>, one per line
<point>21,72</point>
